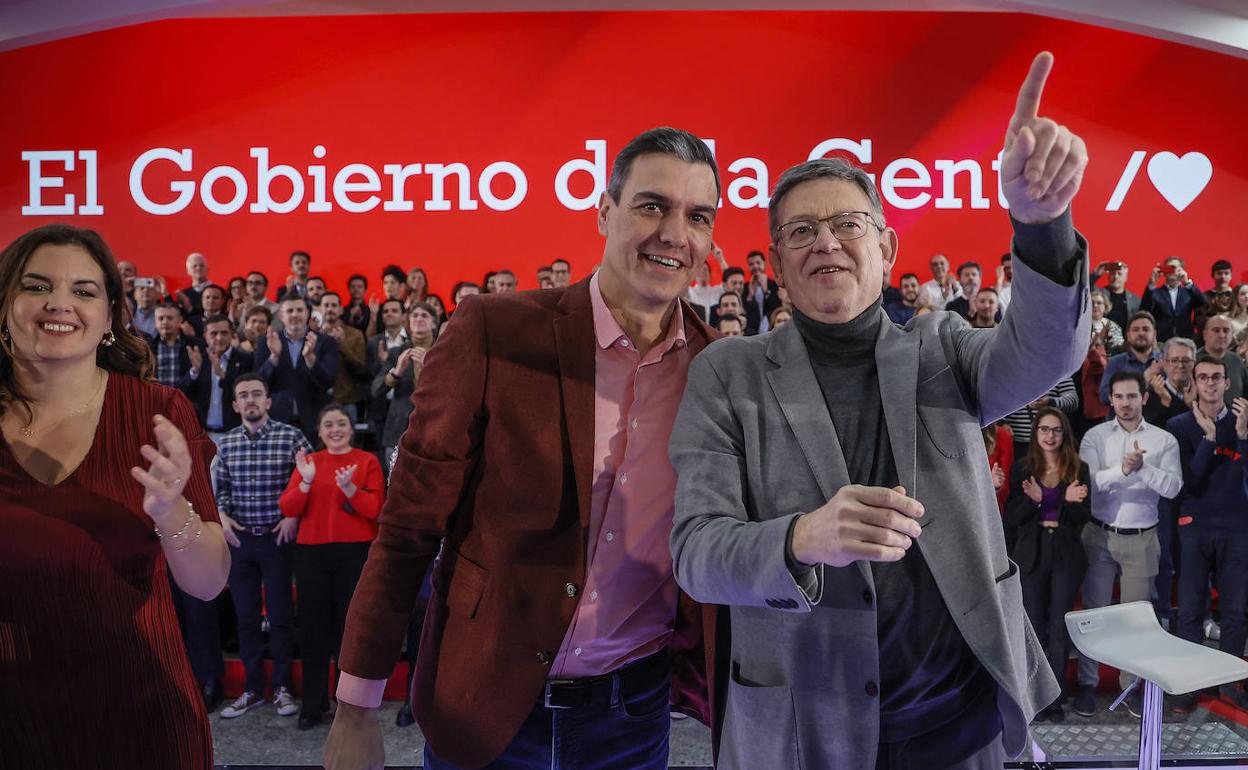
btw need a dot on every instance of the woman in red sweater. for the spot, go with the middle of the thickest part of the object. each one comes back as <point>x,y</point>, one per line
<point>337,493</point>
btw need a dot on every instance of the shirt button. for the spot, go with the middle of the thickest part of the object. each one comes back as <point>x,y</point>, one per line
<point>545,658</point>
<point>866,596</point>
<point>634,423</point>
<point>577,651</point>
<point>570,589</point>
<point>624,478</point>
<point>872,689</point>
<point>593,596</point>
<point>610,536</point>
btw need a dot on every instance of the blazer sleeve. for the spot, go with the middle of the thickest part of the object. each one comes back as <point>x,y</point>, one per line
<point>719,554</point>
<point>436,459</point>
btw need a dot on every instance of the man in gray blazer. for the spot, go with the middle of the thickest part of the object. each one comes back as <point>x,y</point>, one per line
<point>811,459</point>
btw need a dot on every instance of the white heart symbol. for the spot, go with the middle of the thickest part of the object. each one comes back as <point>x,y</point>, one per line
<point>1180,180</point>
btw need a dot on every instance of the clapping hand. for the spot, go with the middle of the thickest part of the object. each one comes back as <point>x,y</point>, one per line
<point>1076,493</point>
<point>383,351</point>
<point>1043,163</point>
<point>1240,407</point>
<point>998,476</point>
<point>305,466</point>
<point>1031,488</point>
<point>167,473</point>
<point>275,345</point>
<point>309,349</point>
<point>196,357</point>
<point>1134,460</point>
<point>405,360</point>
<point>215,359</point>
<point>345,476</point>
<point>1205,422</point>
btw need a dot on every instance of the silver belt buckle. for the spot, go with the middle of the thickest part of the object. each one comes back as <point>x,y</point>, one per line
<point>546,698</point>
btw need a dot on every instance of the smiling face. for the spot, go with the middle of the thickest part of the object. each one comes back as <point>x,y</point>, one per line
<point>910,289</point>
<point>1050,433</point>
<point>659,232</point>
<point>1211,382</point>
<point>335,431</point>
<point>829,280</point>
<point>60,311</point>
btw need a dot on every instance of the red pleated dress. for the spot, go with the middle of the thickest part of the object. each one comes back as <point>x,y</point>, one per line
<point>93,672</point>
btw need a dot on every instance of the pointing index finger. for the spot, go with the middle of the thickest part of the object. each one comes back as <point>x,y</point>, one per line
<point>1028,104</point>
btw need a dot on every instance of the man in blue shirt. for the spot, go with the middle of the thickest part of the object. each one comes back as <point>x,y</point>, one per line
<point>1140,356</point>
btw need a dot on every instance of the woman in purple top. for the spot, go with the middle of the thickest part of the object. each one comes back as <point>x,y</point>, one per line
<point>1044,517</point>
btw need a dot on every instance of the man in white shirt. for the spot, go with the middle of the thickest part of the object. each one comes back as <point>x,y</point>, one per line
<point>1132,464</point>
<point>937,292</point>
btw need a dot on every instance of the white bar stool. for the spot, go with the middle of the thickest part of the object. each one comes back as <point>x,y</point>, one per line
<point>1129,638</point>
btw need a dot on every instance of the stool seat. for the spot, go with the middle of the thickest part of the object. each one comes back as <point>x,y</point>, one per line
<point>1129,638</point>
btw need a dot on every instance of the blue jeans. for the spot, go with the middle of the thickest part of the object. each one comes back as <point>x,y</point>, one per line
<point>629,733</point>
<point>260,561</point>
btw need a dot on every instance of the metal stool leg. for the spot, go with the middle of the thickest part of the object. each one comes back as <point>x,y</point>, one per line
<point>1150,728</point>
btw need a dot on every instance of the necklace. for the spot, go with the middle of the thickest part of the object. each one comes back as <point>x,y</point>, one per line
<point>26,431</point>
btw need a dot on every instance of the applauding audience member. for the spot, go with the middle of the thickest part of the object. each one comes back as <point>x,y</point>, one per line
<point>985,309</point>
<point>300,367</point>
<point>1213,515</point>
<point>173,361</point>
<point>213,373</point>
<point>336,494</point>
<point>1140,354</point>
<point>350,383</point>
<point>1046,512</point>
<point>1102,324</point>
<point>999,443</point>
<point>1133,464</point>
<point>393,387</point>
<point>1170,381</point>
<point>1218,334</point>
<point>901,311</point>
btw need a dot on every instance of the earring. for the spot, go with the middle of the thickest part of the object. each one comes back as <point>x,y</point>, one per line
<point>109,339</point>
<point>4,332</point>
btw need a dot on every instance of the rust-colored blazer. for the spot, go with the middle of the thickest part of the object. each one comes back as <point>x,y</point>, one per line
<point>497,457</point>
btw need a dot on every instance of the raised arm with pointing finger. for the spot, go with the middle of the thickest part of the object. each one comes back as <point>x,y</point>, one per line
<point>832,490</point>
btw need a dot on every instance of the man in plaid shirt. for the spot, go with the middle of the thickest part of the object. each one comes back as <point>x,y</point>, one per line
<point>254,464</point>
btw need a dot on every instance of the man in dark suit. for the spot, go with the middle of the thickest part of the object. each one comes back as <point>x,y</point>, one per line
<point>529,461</point>
<point>300,368</point>
<point>1175,303</point>
<point>173,363</point>
<point>297,281</point>
<point>762,295</point>
<point>213,372</point>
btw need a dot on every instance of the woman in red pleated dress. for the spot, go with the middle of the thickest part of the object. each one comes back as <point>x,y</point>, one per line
<point>104,492</point>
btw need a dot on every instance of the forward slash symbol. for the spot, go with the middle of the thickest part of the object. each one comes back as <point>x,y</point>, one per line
<point>1124,181</point>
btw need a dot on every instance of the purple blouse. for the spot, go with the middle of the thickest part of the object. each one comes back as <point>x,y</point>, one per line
<point>1050,503</point>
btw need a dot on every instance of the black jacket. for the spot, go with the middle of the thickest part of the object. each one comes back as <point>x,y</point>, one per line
<point>298,392</point>
<point>200,390</point>
<point>1023,529</point>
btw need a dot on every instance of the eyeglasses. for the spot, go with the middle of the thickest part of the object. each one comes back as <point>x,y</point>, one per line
<point>1180,361</point>
<point>1046,429</point>
<point>1210,378</point>
<point>846,226</point>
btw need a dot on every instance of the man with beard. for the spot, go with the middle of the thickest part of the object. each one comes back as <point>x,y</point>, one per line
<point>297,281</point>
<point>761,295</point>
<point>901,312</point>
<point>213,373</point>
<point>299,367</point>
<point>985,313</point>
<point>1140,356</point>
<point>969,277</point>
<point>349,384</point>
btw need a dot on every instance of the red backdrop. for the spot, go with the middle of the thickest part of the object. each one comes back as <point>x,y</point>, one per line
<point>533,89</point>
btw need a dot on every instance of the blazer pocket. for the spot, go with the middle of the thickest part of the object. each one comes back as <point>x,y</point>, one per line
<point>760,726</point>
<point>468,581</point>
<point>950,433</point>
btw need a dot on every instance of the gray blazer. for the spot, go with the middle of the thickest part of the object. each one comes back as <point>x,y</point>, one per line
<point>754,446</point>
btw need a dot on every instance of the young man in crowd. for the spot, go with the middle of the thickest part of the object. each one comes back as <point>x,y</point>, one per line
<point>297,281</point>
<point>299,367</point>
<point>173,363</point>
<point>393,335</point>
<point>257,284</point>
<point>255,329</point>
<point>214,370</point>
<point>212,304</point>
<point>730,326</point>
<point>314,289</point>
<point>901,312</point>
<point>1123,303</point>
<point>1213,517</point>
<point>1141,352</point>
<point>561,273</point>
<point>350,388</point>
<point>357,313</point>
<point>1133,464</point>
<point>761,294</point>
<point>942,287</point>
<point>1221,294</point>
<point>1218,334</point>
<point>985,311</point>
<point>734,281</point>
<point>254,463</point>
<point>729,305</point>
<point>1005,280</point>
<point>970,276</point>
<point>1175,303</point>
<point>555,576</point>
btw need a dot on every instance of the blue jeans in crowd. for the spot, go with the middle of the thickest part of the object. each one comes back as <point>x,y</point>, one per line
<point>260,561</point>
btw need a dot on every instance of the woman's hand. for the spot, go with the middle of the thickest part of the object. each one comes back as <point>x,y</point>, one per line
<point>167,474</point>
<point>1076,493</point>
<point>1032,489</point>
<point>305,466</point>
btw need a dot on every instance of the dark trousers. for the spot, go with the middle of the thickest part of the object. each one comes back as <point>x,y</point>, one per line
<point>415,628</point>
<point>325,575</point>
<point>1049,592</point>
<point>259,561</point>
<point>627,732</point>
<point>201,633</point>
<point>1224,556</point>
<point>1168,564</point>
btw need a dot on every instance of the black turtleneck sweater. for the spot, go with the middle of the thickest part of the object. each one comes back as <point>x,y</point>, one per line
<point>929,677</point>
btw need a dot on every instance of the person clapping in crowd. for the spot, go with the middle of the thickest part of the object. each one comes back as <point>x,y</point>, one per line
<point>1140,354</point>
<point>1170,381</point>
<point>300,367</point>
<point>336,494</point>
<point>1218,335</point>
<point>393,387</point>
<point>213,372</point>
<point>1102,324</point>
<point>350,389</point>
<point>1045,515</point>
<point>173,361</point>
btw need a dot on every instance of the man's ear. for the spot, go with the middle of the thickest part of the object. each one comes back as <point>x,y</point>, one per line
<point>777,267</point>
<point>605,204</point>
<point>888,248</point>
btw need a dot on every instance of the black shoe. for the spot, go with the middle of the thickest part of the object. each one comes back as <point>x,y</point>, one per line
<point>1182,704</point>
<point>1135,703</point>
<point>1055,713</point>
<point>308,721</point>
<point>213,694</point>
<point>405,718</point>
<point>1085,701</point>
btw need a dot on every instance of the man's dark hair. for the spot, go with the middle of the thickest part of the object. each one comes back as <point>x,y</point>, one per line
<point>293,297</point>
<point>219,288</point>
<point>259,310</point>
<point>504,271</point>
<point>730,272</point>
<point>168,306</point>
<point>1126,375</point>
<point>720,303</point>
<point>1205,358</point>
<point>382,307</point>
<point>394,271</point>
<point>966,265</point>
<point>216,319</point>
<point>250,377</point>
<point>1142,314</point>
<point>312,278</point>
<point>1007,257</point>
<point>755,253</point>
<point>659,141</point>
<point>983,289</point>
<point>462,284</point>
<point>264,277</point>
<point>911,275</point>
<point>563,261</point>
<point>1221,264</point>
<point>544,268</point>
<point>332,294</point>
<point>823,168</point>
<point>731,317</point>
<point>357,277</point>
<point>305,254</point>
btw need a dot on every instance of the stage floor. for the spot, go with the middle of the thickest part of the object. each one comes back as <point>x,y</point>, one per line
<point>1108,739</point>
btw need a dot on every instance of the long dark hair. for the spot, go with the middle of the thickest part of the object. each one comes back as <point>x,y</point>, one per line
<point>128,354</point>
<point>1067,456</point>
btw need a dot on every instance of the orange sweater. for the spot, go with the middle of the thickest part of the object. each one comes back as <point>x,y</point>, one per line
<point>328,515</point>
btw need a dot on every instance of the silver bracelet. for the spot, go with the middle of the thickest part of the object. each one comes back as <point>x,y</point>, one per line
<point>198,531</point>
<point>190,515</point>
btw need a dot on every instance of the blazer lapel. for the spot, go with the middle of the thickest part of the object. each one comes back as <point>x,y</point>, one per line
<point>897,367</point>
<point>574,343</point>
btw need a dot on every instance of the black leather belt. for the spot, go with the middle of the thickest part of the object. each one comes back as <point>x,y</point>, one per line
<point>606,689</point>
<point>258,531</point>
<point>1123,530</point>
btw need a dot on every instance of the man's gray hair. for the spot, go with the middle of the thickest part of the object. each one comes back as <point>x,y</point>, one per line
<point>1181,342</point>
<point>663,140</point>
<point>822,168</point>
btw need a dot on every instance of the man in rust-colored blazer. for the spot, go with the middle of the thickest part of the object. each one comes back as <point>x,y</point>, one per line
<point>534,467</point>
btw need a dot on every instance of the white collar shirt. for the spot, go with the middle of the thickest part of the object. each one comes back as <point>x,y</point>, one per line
<point>1130,501</point>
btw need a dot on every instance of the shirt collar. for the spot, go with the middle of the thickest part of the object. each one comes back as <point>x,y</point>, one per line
<point>608,330</point>
<point>1141,428</point>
